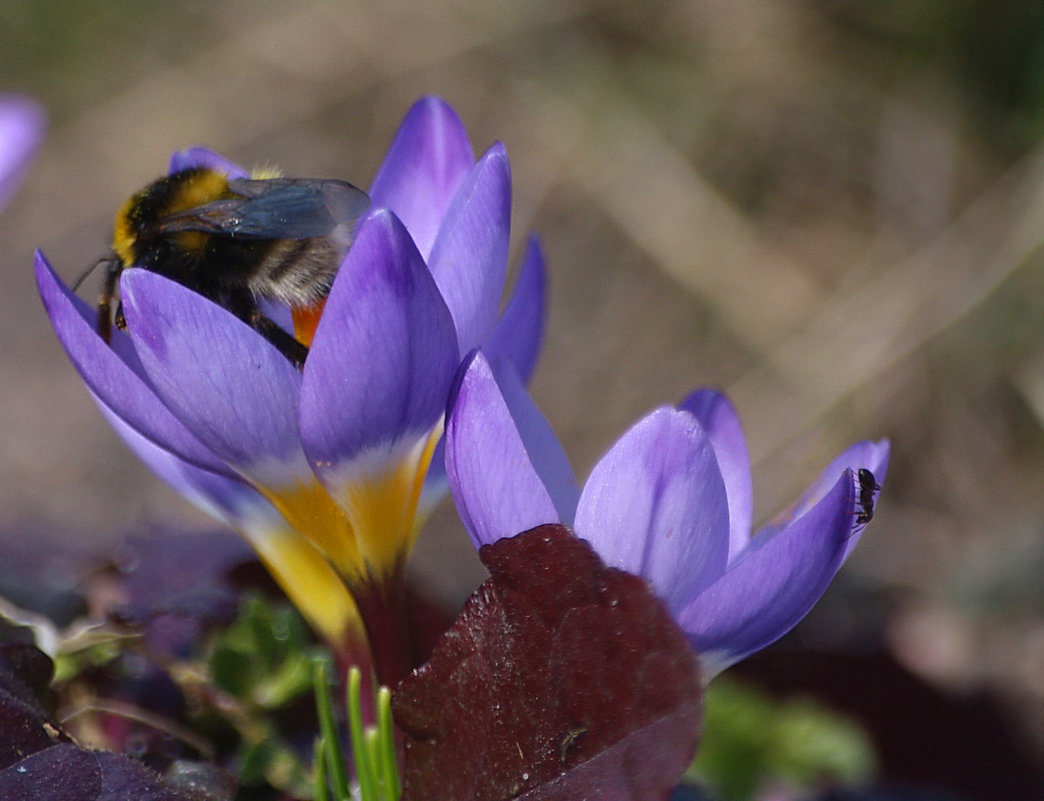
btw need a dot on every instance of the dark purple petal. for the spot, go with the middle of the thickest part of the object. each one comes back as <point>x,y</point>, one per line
<point>384,353</point>
<point>506,470</point>
<point>222,379</point>
<point>202,157</point>
<point>22,123</point>
<point>469,258</point>
<point>520,330</point>
<point>114,375</point>
<point>655,505</point>
<point>719,419</point>
<point>773,583</point>
<point>425,166</point>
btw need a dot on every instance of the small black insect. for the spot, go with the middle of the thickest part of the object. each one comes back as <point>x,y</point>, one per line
<point>236,241</point>
<point>868,486</point>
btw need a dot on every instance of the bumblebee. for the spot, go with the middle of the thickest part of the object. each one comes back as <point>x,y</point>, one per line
<point>235,241</point>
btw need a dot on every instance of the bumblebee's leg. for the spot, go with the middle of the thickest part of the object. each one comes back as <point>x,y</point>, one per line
<point>113,268</point>
<point>245,308</point>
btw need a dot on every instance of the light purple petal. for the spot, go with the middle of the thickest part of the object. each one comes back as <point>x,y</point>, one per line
<point>655,505</point>
<point>202,157</point>
<point>384,354</point>
<point>425,166</point>
<point>222,379</point>
<point>872,456</point>
<point>719,419</point>
<point>506,469</point>
<point>773,584</point>
<point>469,258</point>
<point>114,375</point>
<point>22,123</point>
<point>520,332</point>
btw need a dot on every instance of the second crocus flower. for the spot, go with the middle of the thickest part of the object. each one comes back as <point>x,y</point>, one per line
<point>671,501</point>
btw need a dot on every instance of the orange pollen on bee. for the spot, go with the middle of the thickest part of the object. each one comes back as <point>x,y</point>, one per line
<point>306,318</point>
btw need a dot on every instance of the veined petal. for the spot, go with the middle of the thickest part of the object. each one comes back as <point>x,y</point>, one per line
<point>655,505</point>
<point>384,353</point>
<point>204,157</point>
<point>719,419</point>
<point>520,331</point>
<point>773,583</point>
<point>469,258</point>
<point>223,380</point>
<point>22,123</point>
<point>114,375</point>
<point>425,166</point>
<point>506,470</point>
<point>296,564</point>
<point>376,382</point>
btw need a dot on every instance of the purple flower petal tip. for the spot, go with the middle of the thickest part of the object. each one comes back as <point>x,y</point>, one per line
<point>22,124</point>
<point>519,333</point>
<point>426,164</point>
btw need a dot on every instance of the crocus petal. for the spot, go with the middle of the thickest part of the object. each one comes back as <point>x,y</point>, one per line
<point>222,379</point>
<point>506,470</point>
<point>203,157</point>
<point>375,386</point>
<point>655,505</point>
<point>772,585</point>
<point>719,419</point>
<point>520,332</point>
<point>384,354</point>
<point>426,164</point>
<point>469,258</point>
<point>114,375</point>
<point>22,122</point>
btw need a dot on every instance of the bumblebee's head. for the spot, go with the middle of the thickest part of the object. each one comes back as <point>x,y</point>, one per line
<point>138,218</point>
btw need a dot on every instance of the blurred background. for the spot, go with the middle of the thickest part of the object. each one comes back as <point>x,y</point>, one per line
<point>833,210</point>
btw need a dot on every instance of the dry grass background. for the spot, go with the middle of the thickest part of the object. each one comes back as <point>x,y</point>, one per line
<point>833,212</point>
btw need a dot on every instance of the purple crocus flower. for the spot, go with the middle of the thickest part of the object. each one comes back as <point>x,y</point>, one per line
<point>671,501</point>
<point>22,123</point>
<point>324,466</point>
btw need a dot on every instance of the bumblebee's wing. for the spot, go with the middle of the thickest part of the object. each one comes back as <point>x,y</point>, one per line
<point>274,208</point>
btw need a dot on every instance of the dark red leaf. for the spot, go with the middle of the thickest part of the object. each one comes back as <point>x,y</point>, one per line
<point>67,773</point>
<point>25,724</point>
<point>561,679</point>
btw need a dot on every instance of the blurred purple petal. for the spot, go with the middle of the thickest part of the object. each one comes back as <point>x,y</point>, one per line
<point>384,353</point>
<point>114,375</point>
<point>506,470</point>
<point>520,332</point>
<point>425,166</point>
<point>204,157</point>
<point>222,379</point>
<point>230,500</point>
<point>469,258</point>
<point>22,123</point>
<point>772,584</point>
<point>655,505</point>
<point>719,419</point>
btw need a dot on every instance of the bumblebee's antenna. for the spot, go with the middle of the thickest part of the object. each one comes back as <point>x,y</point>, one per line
<point>83,276</point>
